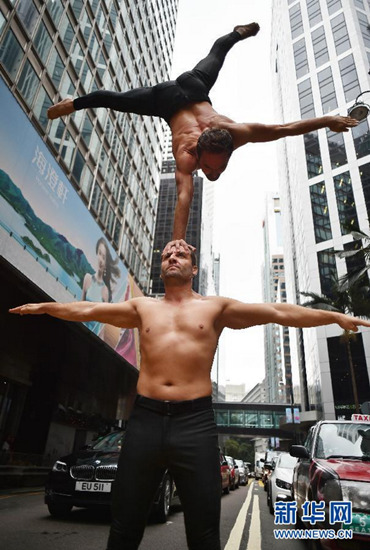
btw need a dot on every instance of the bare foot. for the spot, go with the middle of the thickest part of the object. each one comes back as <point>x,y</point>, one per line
<point>64,107</point>
<point>247,30</point>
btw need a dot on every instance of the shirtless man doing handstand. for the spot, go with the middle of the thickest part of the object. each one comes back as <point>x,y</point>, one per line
<point>201,138</point>
<point>172,424</point>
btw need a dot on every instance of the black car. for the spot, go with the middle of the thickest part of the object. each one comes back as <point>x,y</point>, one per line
<point>84,479</point>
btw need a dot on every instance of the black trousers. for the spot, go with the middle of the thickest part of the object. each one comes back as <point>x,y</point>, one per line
<point>165,99</point>
<point>187,444</point>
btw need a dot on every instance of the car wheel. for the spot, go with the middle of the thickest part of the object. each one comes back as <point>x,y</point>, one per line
<point>59,510</point>
<point>226,490</point>
<point>270,504</point>
<point>232,486</point>
<point>162,509</point>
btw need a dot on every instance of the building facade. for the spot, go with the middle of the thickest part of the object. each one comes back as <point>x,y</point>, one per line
<point>278,376</point>
<point>77,210</point>
<point>320,55</point>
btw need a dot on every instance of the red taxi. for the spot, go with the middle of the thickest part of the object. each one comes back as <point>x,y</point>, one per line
<point>334,465</point>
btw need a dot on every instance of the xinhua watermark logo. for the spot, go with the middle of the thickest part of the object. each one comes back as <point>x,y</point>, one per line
<point>314,512</point>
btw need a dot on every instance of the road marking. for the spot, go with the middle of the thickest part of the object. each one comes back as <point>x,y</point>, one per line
<point>237,531</point>
<point>254,540</point>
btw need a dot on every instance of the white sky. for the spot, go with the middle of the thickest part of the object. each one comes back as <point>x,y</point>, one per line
<point>242,92</point>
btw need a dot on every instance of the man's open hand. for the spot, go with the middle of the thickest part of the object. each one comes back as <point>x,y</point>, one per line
<point>342,123</point>
<point>178,245</point>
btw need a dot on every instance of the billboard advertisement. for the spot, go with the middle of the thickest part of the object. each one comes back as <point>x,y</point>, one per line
<point>47,232</point>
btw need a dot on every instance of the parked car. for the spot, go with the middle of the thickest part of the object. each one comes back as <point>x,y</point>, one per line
<point>84,479</point>
<point>334,465</point>
<point>270,458</point>
<point>279,485</point>
<point>243,472</point>
<point>234,473</point>
<point>225,474</point>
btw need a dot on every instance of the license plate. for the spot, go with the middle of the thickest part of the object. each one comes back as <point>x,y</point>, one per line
<point>93,486</point>
<point>360,523</point>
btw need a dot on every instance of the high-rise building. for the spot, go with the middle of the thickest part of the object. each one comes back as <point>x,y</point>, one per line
<point>277,349</point>
<point>320,54</point>
<point>164,225</point>
<point>77,209</point>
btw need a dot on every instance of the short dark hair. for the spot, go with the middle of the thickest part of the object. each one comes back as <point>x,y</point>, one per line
<point>215,141</point>
<point>193,257</point>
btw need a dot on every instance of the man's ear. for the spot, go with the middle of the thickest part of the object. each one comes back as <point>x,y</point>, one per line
<point>195,271</point>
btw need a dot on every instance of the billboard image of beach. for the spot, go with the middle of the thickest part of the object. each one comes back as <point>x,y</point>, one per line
<point>47,232</point>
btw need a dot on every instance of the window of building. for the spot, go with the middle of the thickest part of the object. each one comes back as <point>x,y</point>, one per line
<point>77,6</point>
<point>314,12</point>
<point>117,233</point>
<point>66,33</point>
<point>320,212</point>
<point>333,6</point>
<point>345,202</point>
<point>296,23</point>
<point>42,42</point>
<point>28,83</point>
<point>77,56</point>
<point>95,197</point>
<point>86,181</point>
<point>55,8</point>
<point>42,104</point>
<point>320,46</point>
<point>344,402</point>
<point>361,139</point>
<point>365,180</point>
<point>55,67</point>
<point>78,165</point>
<point>359,4</point>
<point>313,156</point>
<point>68,149</point>
<point>300,58</point>
<point>327,271</point>
<point>306,99</point>
<point>340,34</point>
<point>11,54</point>
<point>86,77</point>
<point>327,90</point>
<point>87,129</point>
<point>356,262</point>
<point>28,15</point>
<point>364,26</point>
<point>337,149</point>
<point>85,24</point>
<point>348,73</point>
<point>2,22</point>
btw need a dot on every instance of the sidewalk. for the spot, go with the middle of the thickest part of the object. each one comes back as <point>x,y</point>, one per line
<point>21,478</point>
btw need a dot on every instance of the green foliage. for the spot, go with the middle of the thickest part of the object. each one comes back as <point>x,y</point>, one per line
<point>240,448</point>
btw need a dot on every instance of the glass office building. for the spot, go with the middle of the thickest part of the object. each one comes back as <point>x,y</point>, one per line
<point>320,55</point>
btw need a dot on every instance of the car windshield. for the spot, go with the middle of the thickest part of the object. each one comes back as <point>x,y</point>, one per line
<point>343,440</point>
<point>287,461</point>
<point>240,463</point>
<point>110,442</point>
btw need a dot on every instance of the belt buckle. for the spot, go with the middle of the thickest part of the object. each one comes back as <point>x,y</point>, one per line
<point>167,407</point>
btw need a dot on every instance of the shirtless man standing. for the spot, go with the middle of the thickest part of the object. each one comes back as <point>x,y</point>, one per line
<point>201,138</point>
<point>172,424</point>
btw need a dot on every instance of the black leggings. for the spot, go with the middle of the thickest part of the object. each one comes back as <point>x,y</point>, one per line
<point>187,445</point>
<point>165,99</point>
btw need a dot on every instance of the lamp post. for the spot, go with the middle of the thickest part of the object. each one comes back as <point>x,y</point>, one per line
<point>359,109</point>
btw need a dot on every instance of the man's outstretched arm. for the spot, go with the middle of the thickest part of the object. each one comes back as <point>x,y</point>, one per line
<point>243,133</point>
<point>239,315</point>
<point>123,314</point>
<point>185,191</point>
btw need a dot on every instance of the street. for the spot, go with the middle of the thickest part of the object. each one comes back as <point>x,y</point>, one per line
<point>246,524</point>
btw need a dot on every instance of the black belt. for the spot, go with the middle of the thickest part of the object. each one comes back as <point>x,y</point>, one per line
<point>174,407</point>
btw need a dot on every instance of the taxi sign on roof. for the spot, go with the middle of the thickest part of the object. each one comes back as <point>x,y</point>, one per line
<point>360,417</point>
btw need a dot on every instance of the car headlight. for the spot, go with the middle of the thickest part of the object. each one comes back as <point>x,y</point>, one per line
<point>357,492</point>
<point>283,484</point>
<point>332,490</point>
<point>60,467</point>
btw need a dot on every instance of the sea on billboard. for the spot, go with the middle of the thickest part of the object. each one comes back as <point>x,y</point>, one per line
<point>46,227</point>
